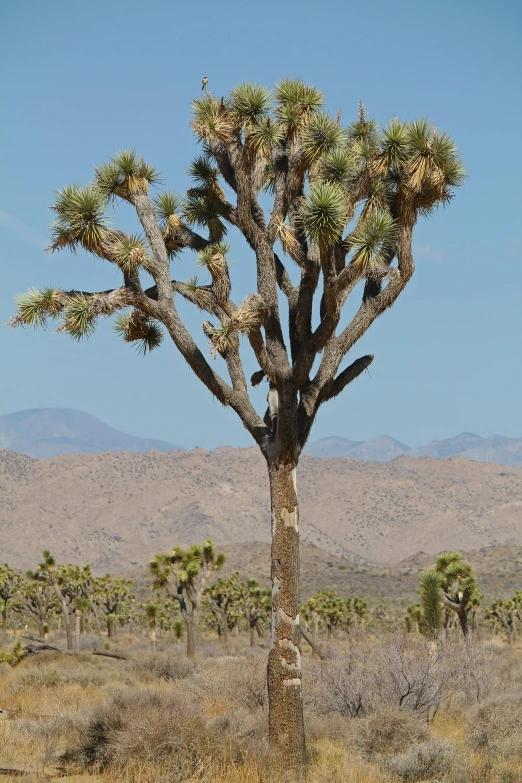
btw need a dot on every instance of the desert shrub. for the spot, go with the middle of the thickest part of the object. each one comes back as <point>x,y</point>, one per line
<point>151,727</point>
<point>162,666</point>
<point>236,680</point>
<point>420,762</point>
<point>410,674</point>
<point>496,726</point>
<point>388,730</point>
<point>82,670</point>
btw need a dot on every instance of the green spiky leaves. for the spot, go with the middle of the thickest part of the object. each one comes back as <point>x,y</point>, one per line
<point>302,97</point>
<point>167,205</point>
<point>145,333</point>
<point>373,236</point>
<point>80,318</point>
<point>339,165</point>
<point>81,219</point>
<point>75,312</point>
<point>131,252</point>
<point>320,136</point>
<point>125,176</point>
<point>35,307</point>
<point>324,213</point>
<point>212,121</point>
<point>431,595</point>
<point>250,101</point>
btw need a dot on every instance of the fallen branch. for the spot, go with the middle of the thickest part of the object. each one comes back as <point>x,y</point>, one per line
<point>43,646</point>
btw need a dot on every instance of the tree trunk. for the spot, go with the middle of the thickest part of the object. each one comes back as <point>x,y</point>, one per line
<point>252,635</point>
<point>77,616</point>
<point>225,631</point>
<point>4,619</point>
<point>463,620</point>
<point>189,621</point>
<point>66,616</point>
<point>286,724</point>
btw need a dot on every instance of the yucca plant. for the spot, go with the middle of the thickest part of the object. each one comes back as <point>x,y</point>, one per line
<point>343,202</point>
<point>183,575</point>
<point>458,585</point>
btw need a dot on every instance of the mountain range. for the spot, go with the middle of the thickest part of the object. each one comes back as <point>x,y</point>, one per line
<point>496,448</point>
<point>50,432</point>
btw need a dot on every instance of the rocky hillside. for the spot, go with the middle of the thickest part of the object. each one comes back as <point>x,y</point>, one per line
<point>116,510</point>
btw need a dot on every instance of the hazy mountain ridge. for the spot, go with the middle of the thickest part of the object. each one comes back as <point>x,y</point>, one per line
<point>495,448</point>
<point>50,432</point>
<point>117,510</point>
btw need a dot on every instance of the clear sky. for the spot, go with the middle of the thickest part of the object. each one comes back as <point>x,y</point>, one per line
<point>82,80</point>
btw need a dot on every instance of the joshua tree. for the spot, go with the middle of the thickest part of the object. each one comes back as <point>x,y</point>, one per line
<point>459,585</point>
<point>184,575</point>
<point>507,613</point>
<point>222,598</point>
<point>10,584</point>
<point>113,595</point>
<point>332,610</point>
<point>320,177</point>
<point>37,602</point>
<point>256,603</point>
<point>48,572</point>
<point>431,602</point>
<point>414,618</point>
<point>360,608</point>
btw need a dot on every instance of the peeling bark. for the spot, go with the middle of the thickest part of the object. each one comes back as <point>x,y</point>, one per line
<point>286,724</point>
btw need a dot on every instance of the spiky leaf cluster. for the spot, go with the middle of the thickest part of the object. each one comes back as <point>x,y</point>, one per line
<point>125,175</point>
<point>81,221</point>
<point>145,333</point>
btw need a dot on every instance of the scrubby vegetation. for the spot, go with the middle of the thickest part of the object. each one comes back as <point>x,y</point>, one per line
<point>379,707</point>
<point>386,697</point>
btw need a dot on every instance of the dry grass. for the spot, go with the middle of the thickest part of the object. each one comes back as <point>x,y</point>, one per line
<point>158,718</point>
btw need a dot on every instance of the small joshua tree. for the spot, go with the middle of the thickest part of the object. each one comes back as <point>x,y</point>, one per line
<point>222,599</point>
<point>459,585</point>
<point>431,602</point>
<point>507,614</point>
<point>10,584</point>
<point>255,603</point>
<point>37,603</point>
<point>113,596</point>
<point>54,576</point>
<point>332,610</point>
<point>184,575</point>
<point>344,204</point>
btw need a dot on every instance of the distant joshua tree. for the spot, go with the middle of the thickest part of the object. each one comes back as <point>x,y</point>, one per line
<point>459,591</point>
<point>319,177</point>
<point>183,575</point>
<point>10,584</point>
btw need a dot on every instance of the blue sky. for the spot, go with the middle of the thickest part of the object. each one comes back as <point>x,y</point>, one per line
<point>81,81</point>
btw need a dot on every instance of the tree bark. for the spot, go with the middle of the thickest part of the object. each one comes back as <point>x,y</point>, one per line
<point>77,630</point>
<point>252,635</point>
<point>463,620</point>
<point>189,621</point>
<point>4,619</point>
<point>66,616</point>
<point>286,724</point>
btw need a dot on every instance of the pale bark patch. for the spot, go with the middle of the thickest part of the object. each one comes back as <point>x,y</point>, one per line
<point>290,518</point>
<point>287,644</point>
<point>282,615</point>
<point>294,480</point>
<point>295,682</point>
